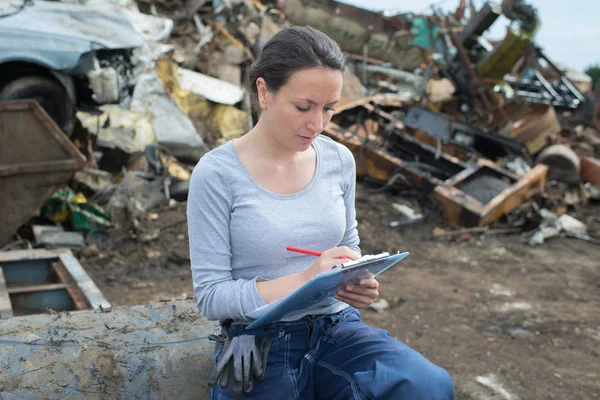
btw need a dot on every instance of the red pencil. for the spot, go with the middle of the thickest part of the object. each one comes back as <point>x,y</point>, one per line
<point>303,251</point>
<point>309,252</point>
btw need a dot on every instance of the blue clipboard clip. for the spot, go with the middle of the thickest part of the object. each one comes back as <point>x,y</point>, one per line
<point>326,285</point>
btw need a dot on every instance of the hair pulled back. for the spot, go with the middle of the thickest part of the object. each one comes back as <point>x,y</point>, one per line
<point>293,49</point>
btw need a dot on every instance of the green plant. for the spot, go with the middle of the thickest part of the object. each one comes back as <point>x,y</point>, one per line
<point>594,72</point>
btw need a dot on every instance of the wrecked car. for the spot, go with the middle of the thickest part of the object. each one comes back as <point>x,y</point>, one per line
<point>67,57</point>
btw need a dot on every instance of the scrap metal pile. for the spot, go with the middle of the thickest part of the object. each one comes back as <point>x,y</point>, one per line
<point>489,133</point>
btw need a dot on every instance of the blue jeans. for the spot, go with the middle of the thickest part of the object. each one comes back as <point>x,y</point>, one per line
<point>338,357</point>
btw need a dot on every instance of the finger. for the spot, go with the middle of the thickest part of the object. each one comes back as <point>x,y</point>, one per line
<point>358,299</point>
<point>236,387</point>
<point>340,252</point>
<point>237,369</point>
<point>360,291</point>
<point>354,303</point>
<point>249,380</point>
<point>256,363</point>
<point>370,283</point>
<point>247,365</point>
<point>264,354</point>
<point>224,360</point>
<point>224,376</point>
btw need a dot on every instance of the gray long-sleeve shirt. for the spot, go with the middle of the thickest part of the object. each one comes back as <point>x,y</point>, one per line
<point>239,231</point>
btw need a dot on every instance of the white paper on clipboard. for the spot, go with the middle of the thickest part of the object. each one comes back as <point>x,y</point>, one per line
<point>323,286</point>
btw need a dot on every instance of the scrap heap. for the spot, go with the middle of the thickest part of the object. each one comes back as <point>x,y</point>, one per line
<point>488,133</point>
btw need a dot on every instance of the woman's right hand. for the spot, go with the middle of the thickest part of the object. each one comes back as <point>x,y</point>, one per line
<point>328,259</point>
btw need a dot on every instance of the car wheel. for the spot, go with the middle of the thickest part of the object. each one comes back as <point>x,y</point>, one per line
<point>50,95</point>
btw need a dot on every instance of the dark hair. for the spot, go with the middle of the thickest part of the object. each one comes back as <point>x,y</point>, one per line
<point>291,50</point>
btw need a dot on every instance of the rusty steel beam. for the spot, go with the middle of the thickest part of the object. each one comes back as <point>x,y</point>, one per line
<point>532,124</point>
<point>462,209</point>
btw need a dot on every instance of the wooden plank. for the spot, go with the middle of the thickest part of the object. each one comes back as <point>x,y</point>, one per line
<point>25,255</point>
<point>38,167</point>
<point>6,310</point>
<point>66,278</point>
<point>36,288</point>
<point>87,286</point>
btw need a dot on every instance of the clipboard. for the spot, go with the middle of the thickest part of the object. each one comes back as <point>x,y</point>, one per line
<point>327,284</point>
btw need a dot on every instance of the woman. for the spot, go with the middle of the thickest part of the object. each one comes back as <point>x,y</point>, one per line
<point>283,184</point>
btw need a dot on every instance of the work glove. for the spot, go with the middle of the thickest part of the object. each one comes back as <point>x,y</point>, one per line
<point>243,359</point>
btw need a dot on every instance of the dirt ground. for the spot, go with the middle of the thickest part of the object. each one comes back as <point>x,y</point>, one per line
<point>507,320</point>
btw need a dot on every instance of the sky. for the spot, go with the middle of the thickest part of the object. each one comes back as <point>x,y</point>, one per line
<point>569,33</point>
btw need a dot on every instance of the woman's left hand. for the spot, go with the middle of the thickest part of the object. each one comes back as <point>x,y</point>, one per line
<point>360,296</point>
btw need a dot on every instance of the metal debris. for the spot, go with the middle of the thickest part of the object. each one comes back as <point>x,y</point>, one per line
<point>380,305</point>
<point>172,127</point>
<point>209,88</point>
<point>553,225</point>
<point>492,382</point>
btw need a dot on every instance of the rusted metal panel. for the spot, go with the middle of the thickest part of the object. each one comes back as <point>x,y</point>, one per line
<point>462,209</point>
<point>157,351</point>
<point>495,64</point>
<point>6,310</point>
<point>590,170</point>
<point>36,158</point>
<point>39,167</point>
<point>364,127</point>
<point>442,127</point>
<point>532,124</point>
<point>373,163</point>
<point>531,183</point>
<point>382,149</point>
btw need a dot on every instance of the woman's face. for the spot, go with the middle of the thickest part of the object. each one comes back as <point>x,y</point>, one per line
<point>299,111</point>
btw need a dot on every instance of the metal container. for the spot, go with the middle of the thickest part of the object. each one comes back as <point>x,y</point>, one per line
<point>36,158</point>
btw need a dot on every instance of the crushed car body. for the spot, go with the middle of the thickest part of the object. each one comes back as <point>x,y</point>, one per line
<point>72,56</point>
